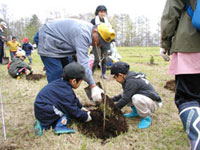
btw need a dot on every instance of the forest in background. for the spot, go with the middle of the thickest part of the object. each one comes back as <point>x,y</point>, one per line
<point>129,31</point>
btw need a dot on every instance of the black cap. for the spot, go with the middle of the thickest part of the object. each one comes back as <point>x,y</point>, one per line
<point>120,67</point>
<point>100,8</point>
<point>74,70</point>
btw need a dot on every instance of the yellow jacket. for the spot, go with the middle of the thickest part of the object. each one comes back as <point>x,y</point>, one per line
<point>13,46</point>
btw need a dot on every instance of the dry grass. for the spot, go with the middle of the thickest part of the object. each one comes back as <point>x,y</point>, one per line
<point>165,133</point>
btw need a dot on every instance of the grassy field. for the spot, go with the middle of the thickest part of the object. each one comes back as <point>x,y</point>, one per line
<point>165,133</point>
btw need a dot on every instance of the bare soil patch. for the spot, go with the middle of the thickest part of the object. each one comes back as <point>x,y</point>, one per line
<point>35,77</point>
<point>115,122</point>
<point>170,85</point>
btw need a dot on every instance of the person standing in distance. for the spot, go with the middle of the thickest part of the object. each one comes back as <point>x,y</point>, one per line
<point>100,17</point>
<point>3,26</point>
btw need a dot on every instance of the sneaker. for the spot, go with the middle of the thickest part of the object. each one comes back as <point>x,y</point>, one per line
<point>103,76</point>
<point>38,128</point>
<point>144,123</point>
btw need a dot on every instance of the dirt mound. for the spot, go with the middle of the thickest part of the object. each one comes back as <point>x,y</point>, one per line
<point>170,85</point>
<point>34,76</point>
<point>114,125</point>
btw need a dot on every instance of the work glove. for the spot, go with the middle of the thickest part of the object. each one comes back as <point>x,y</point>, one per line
<point>84,109</point>
<point>96,94</point>
<point>89,117</point>
<point>31,72</point>
<point>163,53</point>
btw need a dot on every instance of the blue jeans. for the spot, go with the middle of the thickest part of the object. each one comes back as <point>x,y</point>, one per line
<point>29,58</point>
<point>54,66</point>
<point>12,54</point>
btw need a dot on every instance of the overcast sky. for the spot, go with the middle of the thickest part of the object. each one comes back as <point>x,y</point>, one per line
<point>151,9</point>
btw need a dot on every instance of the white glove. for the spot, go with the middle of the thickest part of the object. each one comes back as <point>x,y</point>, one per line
<point>89,117</point>
<point>160,104</point>
<point>164,55</point>
<point>31,71</point>
<point>96,93</point>
<point>84,109</point>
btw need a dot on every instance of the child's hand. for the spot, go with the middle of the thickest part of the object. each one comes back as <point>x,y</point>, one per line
<point>31,72</point>
<point>84,109</point>
<point>89,117</point>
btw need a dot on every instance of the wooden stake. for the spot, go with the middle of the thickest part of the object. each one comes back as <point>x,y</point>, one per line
<point>104,88</point>
<point>104,109</point>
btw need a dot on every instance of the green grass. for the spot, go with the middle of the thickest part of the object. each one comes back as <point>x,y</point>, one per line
<point>165,133</point>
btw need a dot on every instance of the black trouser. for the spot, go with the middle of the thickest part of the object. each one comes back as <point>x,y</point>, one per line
<point>187,88</point>
<point>1,51</point>
<point>98,55</point>
<point>187,99</point>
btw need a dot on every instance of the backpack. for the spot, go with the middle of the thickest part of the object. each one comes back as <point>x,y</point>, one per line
<point>194,13</point>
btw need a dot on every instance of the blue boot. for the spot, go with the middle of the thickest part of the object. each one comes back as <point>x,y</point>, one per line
<point>61,126</point>
<point>38,128</point>
<point>132,114</point>
<point>144,123</point>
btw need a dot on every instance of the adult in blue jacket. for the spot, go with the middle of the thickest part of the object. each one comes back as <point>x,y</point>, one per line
<point>59,39</point>
<point>57,102</point>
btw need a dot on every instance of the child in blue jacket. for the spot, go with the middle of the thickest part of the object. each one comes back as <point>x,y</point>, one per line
<point>27,47</point>
<point>57,102</point>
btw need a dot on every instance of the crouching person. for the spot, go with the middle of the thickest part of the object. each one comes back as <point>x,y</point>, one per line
<point>18,67</point>
<point>56,103</point>
<point>137,92</point>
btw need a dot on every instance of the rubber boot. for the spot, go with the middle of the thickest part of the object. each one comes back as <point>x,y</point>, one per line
<point>191,115</point>
<point>61,126</point>
<point>132,114</point>
<point>145,123</point>
<point>38,128</point>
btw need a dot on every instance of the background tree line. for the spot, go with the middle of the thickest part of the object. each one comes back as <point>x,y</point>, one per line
<point>129,32</point>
